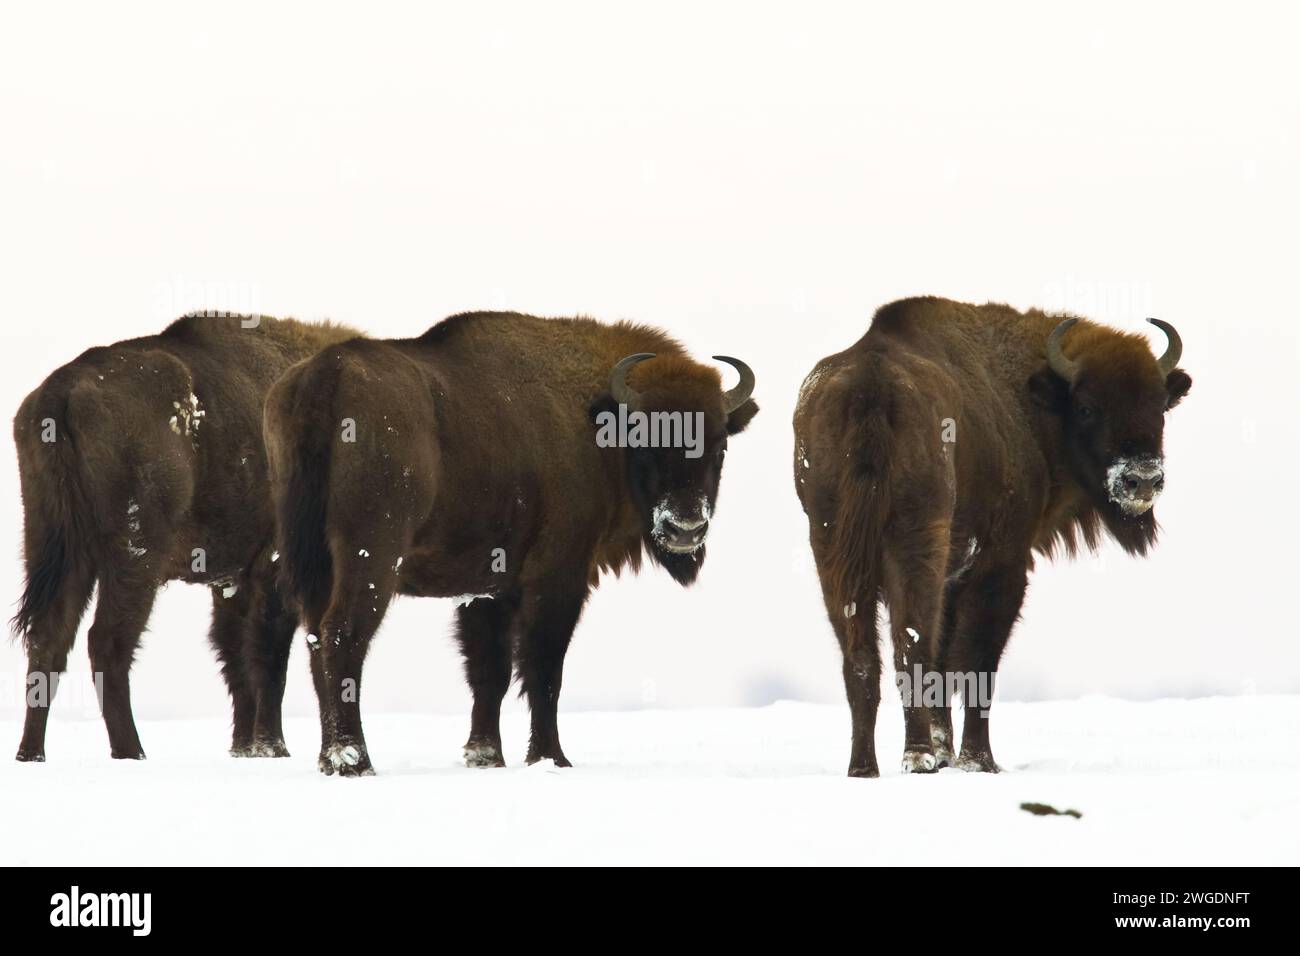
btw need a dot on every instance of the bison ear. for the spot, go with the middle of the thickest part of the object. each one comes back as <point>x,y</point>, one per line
<point>738,419</point>
<point>1177,383</point>
<point>1049,390</point>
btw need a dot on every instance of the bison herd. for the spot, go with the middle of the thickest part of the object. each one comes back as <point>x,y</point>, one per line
<point>308,474</point>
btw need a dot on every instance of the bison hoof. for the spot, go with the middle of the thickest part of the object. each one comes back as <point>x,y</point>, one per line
<point>346,760</point>
<point>556,758</point>
<point>919,761</point>
<point>265,748</point>
<point>30,756</point>
<point>869,770</point>
<point>978,763</point>
<point>481,753</point>
<point>128,754</point>
<point>942,747</point>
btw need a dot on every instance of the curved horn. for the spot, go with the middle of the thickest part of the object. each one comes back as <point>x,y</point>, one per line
<point>734,398</point>
<point>1056,360</point>
<point>1169,361</point>
<point>618,386</point>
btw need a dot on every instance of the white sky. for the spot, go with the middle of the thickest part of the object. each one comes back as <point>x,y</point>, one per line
<point>756,180</point>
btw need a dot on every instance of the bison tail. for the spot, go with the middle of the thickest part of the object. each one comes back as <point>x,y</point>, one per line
<point>863,494</point>
<point>58,563</point>
<point>298,431</point>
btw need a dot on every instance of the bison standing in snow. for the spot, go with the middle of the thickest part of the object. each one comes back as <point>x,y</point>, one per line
<point>142,463</point>
<point>933,457</point>
<point>482,461</point>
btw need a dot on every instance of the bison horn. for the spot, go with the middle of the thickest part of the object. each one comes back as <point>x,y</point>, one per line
<point>618,386</point>
<point>1169,361</point>
<point>1056,360</point>
<point>734,398</point>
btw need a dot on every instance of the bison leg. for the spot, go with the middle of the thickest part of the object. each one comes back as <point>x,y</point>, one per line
<point>550,618</point>
<point>229,625</point>
<point>120,618</point>
<point>483,629</point>
<point>941,733</point>
<point>316,660</point>
<point>862,686</point>
<point>270,639</point>
<point>253,634</point>
<point>988,608</point>
<point>915,593</point>
<point>854,624</point>
<point>354,614</point>
<point>48,641</point>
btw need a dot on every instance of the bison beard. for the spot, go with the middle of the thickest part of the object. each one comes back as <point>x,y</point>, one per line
<point>135,460</point>
<point>934,456</point>
<point>465,463</point>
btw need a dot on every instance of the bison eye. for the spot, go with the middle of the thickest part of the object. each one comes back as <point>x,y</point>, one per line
<point>1084,413</point>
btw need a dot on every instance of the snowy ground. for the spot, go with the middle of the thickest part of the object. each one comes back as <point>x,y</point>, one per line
<point>1210,781</point>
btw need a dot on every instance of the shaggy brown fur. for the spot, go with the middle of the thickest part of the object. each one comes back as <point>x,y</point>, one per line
<point>141,463</point>
<point>475,470</point>
<point>933,457</point>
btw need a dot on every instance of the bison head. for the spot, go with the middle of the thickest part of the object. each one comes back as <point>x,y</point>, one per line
<point>675,427</point>
<point>1112,398</point>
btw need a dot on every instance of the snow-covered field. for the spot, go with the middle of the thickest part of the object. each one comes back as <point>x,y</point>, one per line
<point>1209,781</point>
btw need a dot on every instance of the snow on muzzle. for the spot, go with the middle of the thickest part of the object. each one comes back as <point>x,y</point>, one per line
<point>681,527</point>
<point>1135,483</point>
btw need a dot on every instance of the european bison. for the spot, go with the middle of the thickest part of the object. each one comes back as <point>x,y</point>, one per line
<point>142,463</point>
<point>485,461</point>
<point>933,457</point>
